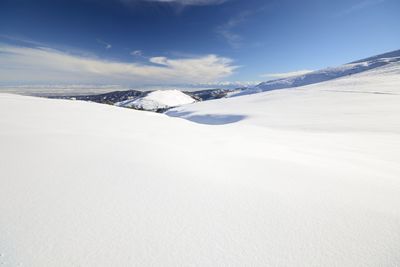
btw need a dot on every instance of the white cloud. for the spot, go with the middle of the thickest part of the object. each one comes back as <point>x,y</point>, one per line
<point>39,64</point>
<point>285,74</point>
<point>61,89</point>
<point>159,60</point>
<point>240,83</point>
<point>229,84</point>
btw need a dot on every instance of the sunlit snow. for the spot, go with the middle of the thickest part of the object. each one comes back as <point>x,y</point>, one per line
<point>304,177</point>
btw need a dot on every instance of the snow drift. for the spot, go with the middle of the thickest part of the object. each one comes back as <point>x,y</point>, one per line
<point>306,177</point>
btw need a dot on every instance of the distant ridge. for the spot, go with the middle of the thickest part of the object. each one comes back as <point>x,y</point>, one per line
<point>324,74</point>
<point>392,54</point>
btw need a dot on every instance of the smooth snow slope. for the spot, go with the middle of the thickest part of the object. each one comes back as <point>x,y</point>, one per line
<point>156,100</point>
<point>309,177</point>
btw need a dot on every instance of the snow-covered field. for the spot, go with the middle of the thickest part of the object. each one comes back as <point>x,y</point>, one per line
<point>299,177</point>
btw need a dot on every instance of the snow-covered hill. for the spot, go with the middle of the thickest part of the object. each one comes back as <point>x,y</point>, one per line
<point>158,100</point>
<point>325,74</point>
<point>305,177</point>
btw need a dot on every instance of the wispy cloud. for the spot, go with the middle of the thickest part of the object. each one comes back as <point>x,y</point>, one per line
<point>227,84</point>
<point>136,53</point>
<point>61,89</point>
<point>227,30</point>
<point>40,64</point>
<point>106,45</point>
<point>285,74</point>
<point>19,39</point>
<point>359,6</point>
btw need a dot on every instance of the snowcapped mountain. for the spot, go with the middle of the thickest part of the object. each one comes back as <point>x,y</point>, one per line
<point>158,100</point>
<point>324,74</point>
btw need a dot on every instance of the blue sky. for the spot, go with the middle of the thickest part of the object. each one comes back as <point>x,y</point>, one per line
<point>167,42</point>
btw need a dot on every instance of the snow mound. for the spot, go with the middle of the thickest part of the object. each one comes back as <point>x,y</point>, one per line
<point>324,74</point>
<point>158,100</point>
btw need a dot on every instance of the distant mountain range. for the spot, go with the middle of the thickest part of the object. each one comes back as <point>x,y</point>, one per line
<point>144,100</point>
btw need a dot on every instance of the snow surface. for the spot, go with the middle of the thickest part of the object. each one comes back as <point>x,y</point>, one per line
<point>305,177</point>
<point>156,100</point>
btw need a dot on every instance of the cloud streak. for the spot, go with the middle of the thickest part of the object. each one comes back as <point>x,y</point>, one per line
<point>106,45</point>
<point>136,53</point>
<point>359,6</point>
<point>181,2</point>
<point>227,30</point>
<point>285,74</point>
<point>40,64</point>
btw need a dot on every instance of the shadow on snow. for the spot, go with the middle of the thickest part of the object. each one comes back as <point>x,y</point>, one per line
<point>209,119</point>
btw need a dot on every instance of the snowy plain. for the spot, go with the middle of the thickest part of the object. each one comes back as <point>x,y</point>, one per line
<point>307,176</point>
